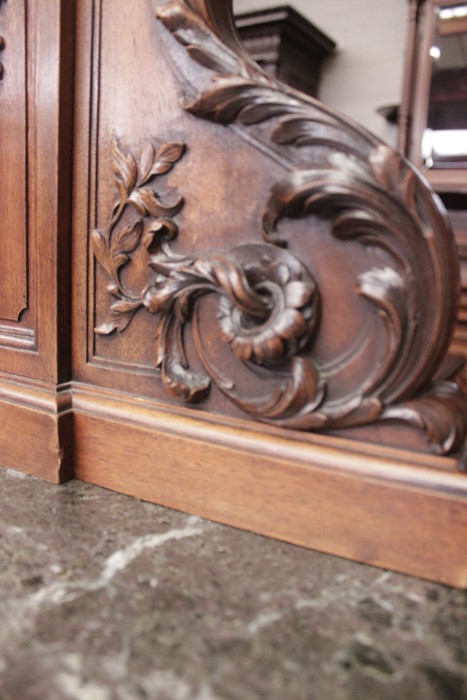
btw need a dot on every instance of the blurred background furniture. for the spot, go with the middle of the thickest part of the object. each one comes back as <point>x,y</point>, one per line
<point>286,45</point>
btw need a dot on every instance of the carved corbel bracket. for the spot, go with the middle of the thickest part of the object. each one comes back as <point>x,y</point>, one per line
<point>271,306</point>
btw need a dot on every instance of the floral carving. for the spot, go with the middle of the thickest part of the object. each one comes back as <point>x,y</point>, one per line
<point>268,302</point>
<point>268,314</point>
<point>284,317</point>
<point>367,193</point>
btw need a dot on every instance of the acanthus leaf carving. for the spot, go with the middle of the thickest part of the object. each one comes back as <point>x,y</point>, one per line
<point>268,307</point>
<point>269,303</point>
<point>268,313</point>
<point>439,411</point>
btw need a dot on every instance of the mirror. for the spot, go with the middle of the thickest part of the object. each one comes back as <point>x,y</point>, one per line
<point>444,142</point>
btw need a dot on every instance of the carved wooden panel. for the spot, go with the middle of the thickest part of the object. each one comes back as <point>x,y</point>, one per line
<point>36,103</point>
<point>249,270</point>
<point>248,251</point>
<point>13,159</point>
<point>36,116</point>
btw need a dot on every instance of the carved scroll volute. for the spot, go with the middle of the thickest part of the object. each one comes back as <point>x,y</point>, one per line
<point>218,15</point>
<point>335,178</point>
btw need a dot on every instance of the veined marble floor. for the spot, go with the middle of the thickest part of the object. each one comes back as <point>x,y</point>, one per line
<point>105,597</point>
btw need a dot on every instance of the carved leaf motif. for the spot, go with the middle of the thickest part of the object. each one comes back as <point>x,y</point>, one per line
<point>106,328</point>
<point>124,168</point>
<point>127,239</point>
<point>159,228</point>
<point>161,296</point>
<point>181,382</point>
<point>235,99</point>
<point>147,203</point>
<point>368,194</point>
<point>113,249</point>
<point>101,251</point>
<point>294,404</point>
<point>202,44</point>
<point>277,301</point>
<point>305,130</point>
<point>126,305</point>
<point>167,155</point>
<point>385,287</point>
<point>347,198</point>
<point>363,172</point>
<point>146,162</point>
<point>441,411</point>
<point>118,321</point>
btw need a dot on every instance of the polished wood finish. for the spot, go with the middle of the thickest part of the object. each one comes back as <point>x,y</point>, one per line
<point>389,508</point>
<point>277,352</point>
<point>36,114</point>
<point>13,148</point>
<point>37,429</point>
<point>262,296</point>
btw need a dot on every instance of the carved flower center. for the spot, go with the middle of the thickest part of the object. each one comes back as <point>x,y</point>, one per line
<point>251,324</point>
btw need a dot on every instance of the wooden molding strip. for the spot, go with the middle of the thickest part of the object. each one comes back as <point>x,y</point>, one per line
<point>327,494</point>
<point>392,508</point>
<point>37,435</point>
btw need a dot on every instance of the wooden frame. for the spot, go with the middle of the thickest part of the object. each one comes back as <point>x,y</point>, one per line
<point>449,183</point>
<point>263,295</point>
<point>416,93</point>
<point>35,341</point>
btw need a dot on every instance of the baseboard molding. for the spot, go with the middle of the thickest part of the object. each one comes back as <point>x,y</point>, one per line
<point>395,509</point>
<point>36,429</point>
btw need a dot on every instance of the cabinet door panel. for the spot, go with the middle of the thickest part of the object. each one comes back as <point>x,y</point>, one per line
<point>36,107</point>
<point>13,135</point>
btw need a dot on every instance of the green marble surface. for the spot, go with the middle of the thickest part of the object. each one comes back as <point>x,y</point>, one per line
<point>106,597</point>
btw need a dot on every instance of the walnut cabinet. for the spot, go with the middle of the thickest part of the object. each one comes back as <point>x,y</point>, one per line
<point>220,295</point>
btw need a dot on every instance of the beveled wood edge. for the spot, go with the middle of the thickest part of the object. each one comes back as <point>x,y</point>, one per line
<point>337,454</point>
<point>54,399</point>
<point>387,507</point>
<point>37,430</point>
<point>362,459</point>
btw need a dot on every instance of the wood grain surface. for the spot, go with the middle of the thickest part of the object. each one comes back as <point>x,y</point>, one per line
<point>239,303</point>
